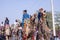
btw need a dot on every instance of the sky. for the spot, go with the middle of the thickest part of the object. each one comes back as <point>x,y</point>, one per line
<point>13,9</point>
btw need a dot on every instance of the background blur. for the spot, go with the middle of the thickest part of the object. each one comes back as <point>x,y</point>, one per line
<point>13,8</point>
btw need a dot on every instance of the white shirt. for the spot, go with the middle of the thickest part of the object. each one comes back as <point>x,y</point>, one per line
<point>15,24</point>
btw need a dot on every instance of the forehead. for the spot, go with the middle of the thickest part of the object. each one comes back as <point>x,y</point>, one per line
<point>41,9</point>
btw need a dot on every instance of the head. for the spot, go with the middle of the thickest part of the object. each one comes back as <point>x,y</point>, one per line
<point>6,18</point>
<point>24,11</point>
<point>16,20</point>
<point>1,22</point>
<point>44,11</point>
<point>35,15</point>
<point>30,16</point>
<point>41,10</point>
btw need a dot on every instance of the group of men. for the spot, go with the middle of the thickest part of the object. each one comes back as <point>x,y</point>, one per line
<point>19,29</point>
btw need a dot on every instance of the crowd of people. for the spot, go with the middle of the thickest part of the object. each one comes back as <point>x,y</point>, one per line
<point>32,27</point>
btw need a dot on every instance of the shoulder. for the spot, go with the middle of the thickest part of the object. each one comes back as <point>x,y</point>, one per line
<point>27,14</point>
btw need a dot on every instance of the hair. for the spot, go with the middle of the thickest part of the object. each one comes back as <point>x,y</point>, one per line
<point>2,22</point>
<point>16,20</point>
<point>41,9</point>
<point>25,10</point>
<point>6,18</point>
<point>44,10</point>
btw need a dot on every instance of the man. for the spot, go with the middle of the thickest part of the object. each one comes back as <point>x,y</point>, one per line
<point>6,21</point>
<point>25,16</point>
<point>2,24</point>
<point>40,14</point>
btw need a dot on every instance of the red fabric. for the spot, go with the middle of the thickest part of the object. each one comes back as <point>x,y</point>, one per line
<point>24,37</point>
<point>32,37</point>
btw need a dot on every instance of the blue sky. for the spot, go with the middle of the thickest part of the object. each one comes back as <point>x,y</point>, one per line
<point>13,8</point>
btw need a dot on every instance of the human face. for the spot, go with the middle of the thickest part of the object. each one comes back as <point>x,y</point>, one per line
<point>41,10</point>
<point>24,12</point>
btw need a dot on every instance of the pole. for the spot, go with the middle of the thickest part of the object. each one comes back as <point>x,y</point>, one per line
<point>54,32</point>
